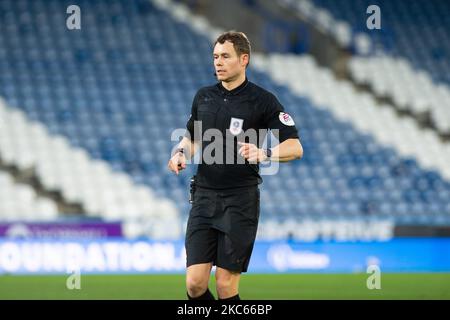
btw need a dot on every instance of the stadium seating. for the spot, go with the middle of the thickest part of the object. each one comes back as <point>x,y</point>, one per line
<point>407,60</point>
<point>19,202</point>
<point>374,167</point>
<point>410,89</point>
<point>80,179</point>
<point>111,94</point>
<point>417,31</point>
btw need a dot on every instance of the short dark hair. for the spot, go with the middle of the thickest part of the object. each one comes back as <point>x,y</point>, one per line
<point>239,40</point>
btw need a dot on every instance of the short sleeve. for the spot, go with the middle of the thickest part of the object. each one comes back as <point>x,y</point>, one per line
<point>192,118</point>
<point>276,119</point>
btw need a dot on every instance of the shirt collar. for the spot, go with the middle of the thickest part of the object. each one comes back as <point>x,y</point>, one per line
<point>235,91</point>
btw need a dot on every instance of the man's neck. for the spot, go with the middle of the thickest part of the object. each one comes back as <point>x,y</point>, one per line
<point>235,83</point>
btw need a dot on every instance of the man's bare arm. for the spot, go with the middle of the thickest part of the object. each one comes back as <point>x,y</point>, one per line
<point>178,160</point>
<point>189,146</point>
<point>288,150</point>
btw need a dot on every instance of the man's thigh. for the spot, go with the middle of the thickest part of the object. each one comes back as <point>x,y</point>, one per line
<point>235,246</point>
<point>201,237</point>
<point>201,246</point>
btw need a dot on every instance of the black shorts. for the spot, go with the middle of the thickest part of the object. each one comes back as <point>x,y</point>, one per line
<point>222,227</point>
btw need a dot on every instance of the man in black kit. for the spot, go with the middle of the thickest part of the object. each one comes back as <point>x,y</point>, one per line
<point>223,220</point>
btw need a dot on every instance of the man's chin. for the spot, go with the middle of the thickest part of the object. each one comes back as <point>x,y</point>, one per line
<point>224,78</point>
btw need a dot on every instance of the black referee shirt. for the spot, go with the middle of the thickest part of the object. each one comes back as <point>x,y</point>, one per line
<point>233,113</point>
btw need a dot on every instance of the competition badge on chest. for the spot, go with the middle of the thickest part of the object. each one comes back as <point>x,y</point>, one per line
<point>236,126</point>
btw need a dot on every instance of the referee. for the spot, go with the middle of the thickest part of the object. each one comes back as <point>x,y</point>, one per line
<point>223,220</point>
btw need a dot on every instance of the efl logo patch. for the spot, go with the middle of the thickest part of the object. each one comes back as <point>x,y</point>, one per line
<point>286,119</point>
<point>236,126</point>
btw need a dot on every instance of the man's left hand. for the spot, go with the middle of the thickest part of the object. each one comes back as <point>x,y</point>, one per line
<point>251,152</point>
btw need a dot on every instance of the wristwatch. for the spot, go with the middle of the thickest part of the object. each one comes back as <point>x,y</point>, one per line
<point>268,153</point>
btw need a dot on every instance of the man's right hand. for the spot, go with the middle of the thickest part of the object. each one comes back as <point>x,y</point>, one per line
<point>177,162</point>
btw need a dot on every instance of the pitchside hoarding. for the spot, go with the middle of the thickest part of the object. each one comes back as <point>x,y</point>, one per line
<point>63,229</point>
<point>116,255</point>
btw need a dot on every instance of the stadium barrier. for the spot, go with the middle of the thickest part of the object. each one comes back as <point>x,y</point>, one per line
<point>119,256</point>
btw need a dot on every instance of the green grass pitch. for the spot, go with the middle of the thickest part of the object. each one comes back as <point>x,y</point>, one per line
<point>253,287</point>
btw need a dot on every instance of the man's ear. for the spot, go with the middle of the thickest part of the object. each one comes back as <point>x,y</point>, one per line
<point>244,59</point>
